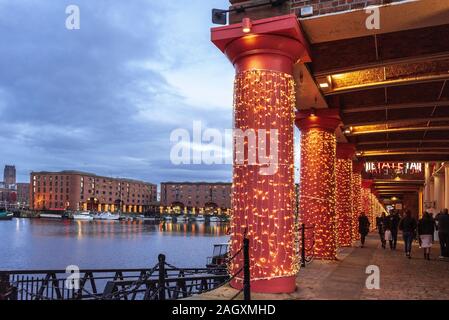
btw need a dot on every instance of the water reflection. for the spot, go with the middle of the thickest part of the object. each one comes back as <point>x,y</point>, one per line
<point>133,229</point>
<point>43,244</point>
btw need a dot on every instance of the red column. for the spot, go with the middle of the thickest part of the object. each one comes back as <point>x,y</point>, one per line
<point>356,197</point>
<point>343,208</point>
<point>264,98</point>
<point>317,187</point>
<point>367,202</point>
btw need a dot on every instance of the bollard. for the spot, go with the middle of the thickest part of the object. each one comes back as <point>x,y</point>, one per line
<point>246,271</point>
<point>161,259</point>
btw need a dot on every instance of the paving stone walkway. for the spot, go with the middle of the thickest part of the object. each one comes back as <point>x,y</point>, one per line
<point>400,278</point>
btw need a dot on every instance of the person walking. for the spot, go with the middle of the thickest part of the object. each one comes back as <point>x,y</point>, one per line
<point>394,224</point>
<point>408,227</point>
<point>443,233</point>
<point>363,227</point>
<point>380,224</point>
<point>388,234</point>
<point>426,229</point>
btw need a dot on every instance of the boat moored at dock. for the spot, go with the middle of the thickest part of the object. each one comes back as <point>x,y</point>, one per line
<point>107,216</point>
<point>83,215</point>
<point>5,215</point>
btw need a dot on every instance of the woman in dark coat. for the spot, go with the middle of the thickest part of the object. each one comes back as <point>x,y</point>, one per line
<point>363,227</point>
<point>426,229</point>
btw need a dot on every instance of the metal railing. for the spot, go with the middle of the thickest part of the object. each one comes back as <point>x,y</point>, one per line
<point>307,253</point>
<point>124,284</point>
<point>162,282</point>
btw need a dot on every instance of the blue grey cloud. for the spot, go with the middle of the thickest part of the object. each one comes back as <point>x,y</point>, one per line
<point>106,97</point>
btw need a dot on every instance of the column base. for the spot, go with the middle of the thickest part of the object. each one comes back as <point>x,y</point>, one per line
<point>276,285</point>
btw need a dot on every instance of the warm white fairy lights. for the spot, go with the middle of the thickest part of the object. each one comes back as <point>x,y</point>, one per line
<point>356,202</point>
<point>263,205</point>
<point>344,203</point>
<point>317,189</point>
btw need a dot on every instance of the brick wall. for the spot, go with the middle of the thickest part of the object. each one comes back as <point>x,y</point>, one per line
<point>294,6</point>
<point>330,6</point>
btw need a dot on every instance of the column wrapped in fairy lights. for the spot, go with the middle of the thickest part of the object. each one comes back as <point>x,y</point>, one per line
<point>343,196</point>
<point>317,186</point>
<point>264,98</point>
<point>356,198</point>
<point>367,202</point>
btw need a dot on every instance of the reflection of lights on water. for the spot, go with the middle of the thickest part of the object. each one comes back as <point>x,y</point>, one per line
<point>193,228</point>
<point>17,224</point>
<point>80,229</point>
<point>135,229</point>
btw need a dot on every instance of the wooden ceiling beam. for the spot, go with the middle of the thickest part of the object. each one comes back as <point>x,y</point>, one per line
<point>368,143</point>
<point>349,124</point>
<point>396,106</point>
<point>393,130</point>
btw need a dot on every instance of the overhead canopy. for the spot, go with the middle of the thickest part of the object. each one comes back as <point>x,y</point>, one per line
<point>390,84</point>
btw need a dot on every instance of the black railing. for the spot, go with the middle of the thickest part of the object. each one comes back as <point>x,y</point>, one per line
<point>124,284</point>
<point>163,282</point>
<point>306,253</point>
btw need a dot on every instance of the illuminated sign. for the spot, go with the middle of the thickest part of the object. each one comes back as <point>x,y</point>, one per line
<point>393,170</point>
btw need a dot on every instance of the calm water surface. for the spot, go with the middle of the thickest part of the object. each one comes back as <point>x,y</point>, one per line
<point>54,244</point>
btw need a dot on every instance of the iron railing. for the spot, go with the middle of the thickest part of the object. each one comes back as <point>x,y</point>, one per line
<point>157,283</point>
<point>307,253</point>
<point>162,282</point>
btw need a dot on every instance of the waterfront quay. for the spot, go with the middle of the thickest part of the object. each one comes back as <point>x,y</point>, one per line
<point>346,278</point>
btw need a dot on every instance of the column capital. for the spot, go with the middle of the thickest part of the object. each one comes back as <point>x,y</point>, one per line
<point>345,150</point>
<point>272,44</point>
<point>357,167</point>
<point>326,119</point>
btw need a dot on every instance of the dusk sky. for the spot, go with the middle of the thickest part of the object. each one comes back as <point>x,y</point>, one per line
<point>105,98</point>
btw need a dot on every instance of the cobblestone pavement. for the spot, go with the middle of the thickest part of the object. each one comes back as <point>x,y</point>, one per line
<point>400,278</point>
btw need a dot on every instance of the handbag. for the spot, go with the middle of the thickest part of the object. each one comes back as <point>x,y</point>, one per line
<point>388,236</point>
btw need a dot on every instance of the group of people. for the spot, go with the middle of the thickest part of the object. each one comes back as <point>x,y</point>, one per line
<point>422,230</point>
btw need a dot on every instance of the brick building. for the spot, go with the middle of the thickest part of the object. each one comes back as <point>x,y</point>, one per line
<point>23,195</point>
<point>73,190</point>
<point>197,196</point>
<point>7,197</point>
<point>319,7</point>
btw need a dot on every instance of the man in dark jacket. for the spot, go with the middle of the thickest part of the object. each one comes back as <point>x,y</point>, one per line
<point>443,232</point>
<point>363,227</point>
<point>394,223</point>
<point>408,227</point>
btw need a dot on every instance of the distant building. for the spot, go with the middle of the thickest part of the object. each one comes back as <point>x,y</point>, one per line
<point>74,190</point>
<point>8,197</point>
<point>23,195</point>
<point>9,175</point>
<point>196,196</point>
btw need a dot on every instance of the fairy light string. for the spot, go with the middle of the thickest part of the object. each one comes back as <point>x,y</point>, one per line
<point>344,205</point>
<point>356,200</point>
<point>317,189</point>
<point>264,204</point>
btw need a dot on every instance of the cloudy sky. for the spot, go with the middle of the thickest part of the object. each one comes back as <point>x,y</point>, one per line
<point>105,98</point>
